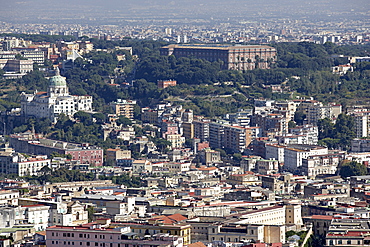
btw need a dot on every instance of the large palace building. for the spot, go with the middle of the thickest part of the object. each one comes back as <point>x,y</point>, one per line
<point>55,101</point>
<point>237,57</point>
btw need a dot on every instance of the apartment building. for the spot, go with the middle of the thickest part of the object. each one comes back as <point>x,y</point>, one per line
<point>294,155</point>
<point>124,108</point>
<point>243,179</point>
<point>116,154</point>
<point>21,66</point>
<point>309,133</point>
<point>236,138</point>
<point>83,152</point>
<point>9,197</point>
<point>321,164</point>
<point>182,230</point>
<point>270,123</point>
<point>360,145</point>
<point>95,235</point>
<point>348,232</point>
<point>326,190</point>
<point>209,157</point>
<point>17,163</point>
<point>166,83</point>
<point>149,116</point>
<point>216,134</point>
<point>201,129</point>
<point>250,232</point>
<point>177,167</point>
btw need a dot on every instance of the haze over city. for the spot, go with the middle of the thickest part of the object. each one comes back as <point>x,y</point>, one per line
<point>116,11</point>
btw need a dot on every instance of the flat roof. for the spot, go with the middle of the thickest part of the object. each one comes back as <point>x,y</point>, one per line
<point>218,46</point>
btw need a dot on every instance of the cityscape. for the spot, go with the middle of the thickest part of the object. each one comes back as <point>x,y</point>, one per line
<point>161,123</point>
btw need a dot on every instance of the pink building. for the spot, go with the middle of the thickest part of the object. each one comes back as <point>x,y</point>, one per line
<point>90,235</point>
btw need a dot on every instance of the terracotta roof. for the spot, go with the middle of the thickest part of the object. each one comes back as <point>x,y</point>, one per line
<point>197,244</point>
<point>322,217</point>
<point>175,218</point>
<point>43,233</point>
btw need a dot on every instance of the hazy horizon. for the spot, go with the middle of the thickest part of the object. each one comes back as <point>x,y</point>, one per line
<point>116,11</point>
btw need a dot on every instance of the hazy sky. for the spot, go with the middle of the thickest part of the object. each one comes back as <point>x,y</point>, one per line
<point>39,10</point>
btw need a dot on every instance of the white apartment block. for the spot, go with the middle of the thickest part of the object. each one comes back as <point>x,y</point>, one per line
<point>16,163</point>
<point>294,154</point>
<point>177,141</point>
<point>321,164</point>
<point>177,167</point>
<point>275,151</point>
<point>362,123</point>
<point>308,132</point>
<point>9,197</point>
<point>37,215</point>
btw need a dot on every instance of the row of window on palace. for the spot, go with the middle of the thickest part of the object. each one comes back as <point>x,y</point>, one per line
<point>96,244</point>
<point>81,235</point>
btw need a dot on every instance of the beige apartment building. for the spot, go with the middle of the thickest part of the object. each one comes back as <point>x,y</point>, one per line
<point>124,108</point>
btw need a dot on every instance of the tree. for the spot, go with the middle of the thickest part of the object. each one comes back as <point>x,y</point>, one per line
<point>299,117</point>
<point>90,212</point>
<point>162,144</point>
<point>326,128</point>
<point>353,168</point>
<point>291,124</point>
<point>124,121</point>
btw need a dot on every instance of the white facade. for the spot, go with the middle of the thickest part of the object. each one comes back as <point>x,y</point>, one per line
<point>274,151</point>
<point>37,215</point>
<point>266,216</point>
<point>9,197</point>
<point>54,102</point>
<point>16,163</point>
<point>293,156</point>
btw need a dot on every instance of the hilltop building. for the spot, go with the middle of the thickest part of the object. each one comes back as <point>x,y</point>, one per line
<point>55,101</point>
<point>238,57</point>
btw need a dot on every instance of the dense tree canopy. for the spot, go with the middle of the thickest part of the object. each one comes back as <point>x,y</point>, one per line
<point>352,168</point>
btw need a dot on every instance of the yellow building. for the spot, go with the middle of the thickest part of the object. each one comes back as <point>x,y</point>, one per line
<point>124,108</point>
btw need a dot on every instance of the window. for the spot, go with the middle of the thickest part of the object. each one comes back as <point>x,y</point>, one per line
<point>348,241</point>
<point>88,243</point>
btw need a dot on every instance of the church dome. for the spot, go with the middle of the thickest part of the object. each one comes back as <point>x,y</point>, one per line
<point>57,80</point>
